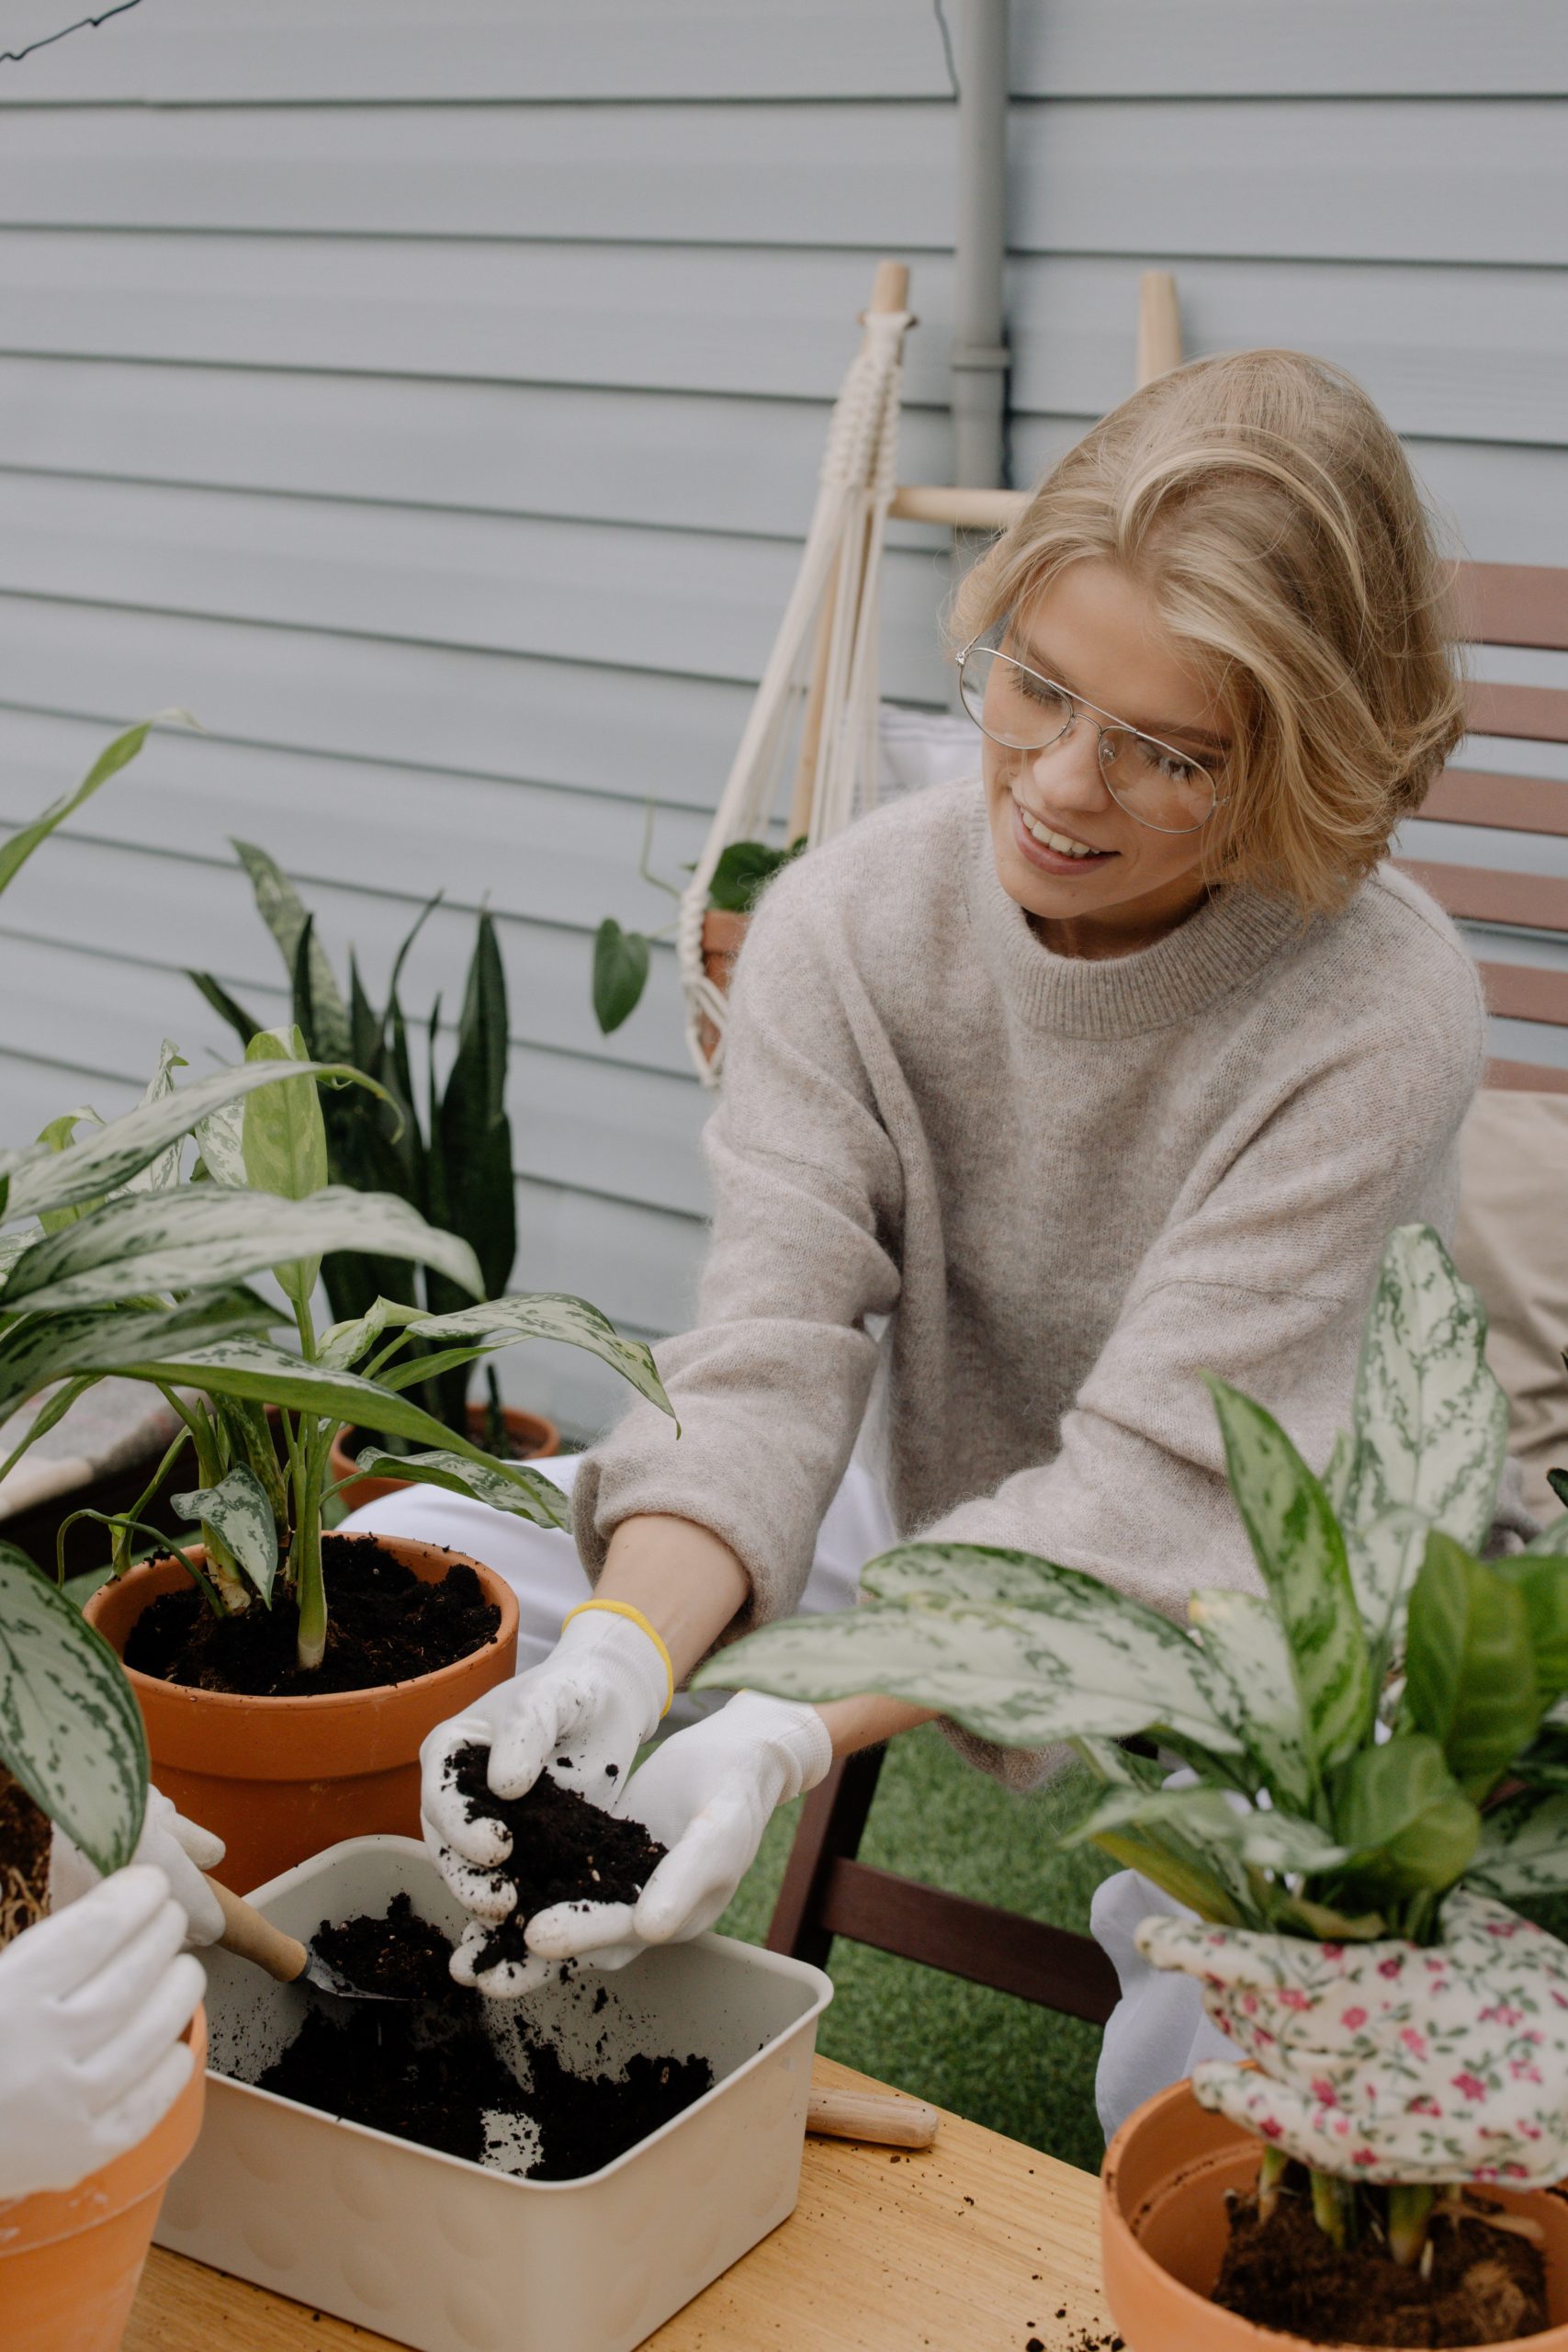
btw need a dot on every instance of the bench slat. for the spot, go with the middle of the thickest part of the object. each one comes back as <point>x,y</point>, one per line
<point>1532,901</point>
<point>1516,804</point>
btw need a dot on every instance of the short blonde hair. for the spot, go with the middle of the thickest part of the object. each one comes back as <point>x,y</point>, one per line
<point>1270,511</point>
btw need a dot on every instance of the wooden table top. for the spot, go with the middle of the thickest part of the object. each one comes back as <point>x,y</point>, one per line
<point>974,2245</point>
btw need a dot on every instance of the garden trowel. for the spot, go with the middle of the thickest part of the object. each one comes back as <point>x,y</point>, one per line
<point>249,1934</point>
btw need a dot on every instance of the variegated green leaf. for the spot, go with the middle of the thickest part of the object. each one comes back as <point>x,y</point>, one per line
<point>1337,1472</point>
<point>502,1322</point>
<point>205,1233</point>
<point>1298,1546</point>
<point>1524,1848</point>
<point>343,1343</point>
<point>1244,1638</point>
<point>219,1138</point>
<point>104,1161</point>
<point>59,1135</point>
<point>1263,1840</point>
<point>1552,1540</point>
<point>37,1348</point>
<point>70,1728</point>
<point>239,1510</point>
<point>505,1485</point>
<point>1430,1422</point>
<point>1022,1677</point>
<point>283,1141</point>
<point>282,910</point>
<point>165,1170</point>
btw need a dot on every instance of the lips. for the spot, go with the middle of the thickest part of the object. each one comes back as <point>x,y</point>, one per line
<point>1046,853</point>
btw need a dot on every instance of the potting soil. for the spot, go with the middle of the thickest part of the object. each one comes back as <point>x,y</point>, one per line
<point>564,1850</point>
<point>1486,2285</point>
<point>428,2071</point>
<point>384,1625</point>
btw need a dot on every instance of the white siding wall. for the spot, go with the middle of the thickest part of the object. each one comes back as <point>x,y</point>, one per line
<point>429,397</point>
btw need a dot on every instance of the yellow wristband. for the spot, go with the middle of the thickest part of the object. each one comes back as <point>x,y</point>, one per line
<point>624,1609</point>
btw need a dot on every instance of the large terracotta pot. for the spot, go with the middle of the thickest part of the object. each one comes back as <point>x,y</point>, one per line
<point>70,2259</point>
<point>1163,2229</point>
<point>724,935</point>
<point>534,1438</point>
<point>279,1779</point>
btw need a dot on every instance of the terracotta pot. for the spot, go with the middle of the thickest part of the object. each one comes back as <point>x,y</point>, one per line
<point>1162,2230</point>
<point>278,1778</point>
<point>724,935</point>
<point>534,1438</point>
<point>70,2259</point>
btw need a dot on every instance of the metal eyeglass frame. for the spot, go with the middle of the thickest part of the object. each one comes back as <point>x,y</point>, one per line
<point>1077,702</point>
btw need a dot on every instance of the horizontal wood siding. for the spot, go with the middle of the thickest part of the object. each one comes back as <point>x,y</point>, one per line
<point>430,401</point>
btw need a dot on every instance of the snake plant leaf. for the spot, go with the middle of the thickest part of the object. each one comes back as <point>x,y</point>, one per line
<point>1523,1848</point>
<point>239,1510</point>
<point>1430,1421</point>
<point>110,1157</point>
<point>621,961</point>
<point>548,1315</point>
<point>283,911</point>
<point>1244,1638</point>
<point>469,1168</point>
<point>1297,1544</point>
<point>226,1007</point>
<point>1470,1675</point>
<point>118,754</point>
<point>165,1170</point>
<point>283,1141</point>
<point>1410,1826</point>
<point>505,1485</point>
<point>1261,1839</point>
<point>1024,1676</point>
<point>70,1727</point>
<point>37,1348</point>
<point>206,1233</point>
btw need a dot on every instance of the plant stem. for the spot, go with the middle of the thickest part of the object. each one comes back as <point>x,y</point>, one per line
<point>1270,2173</point>
<point>310,1591</point>
<point>1334,2208</point>
<point>1409,2210</point>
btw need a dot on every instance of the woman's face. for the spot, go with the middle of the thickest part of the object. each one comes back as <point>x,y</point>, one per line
<point>1094,631</point>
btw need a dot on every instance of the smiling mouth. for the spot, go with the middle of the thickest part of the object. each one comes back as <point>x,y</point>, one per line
<point>1063,843</point>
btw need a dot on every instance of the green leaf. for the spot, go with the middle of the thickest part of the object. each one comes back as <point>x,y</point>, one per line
<point>548,1315</point>
<point>1552,1540</point>
<point>1430,1421</point>
<point>1243,1635</point>
<point>59,1135</point>
<point>1263,1840</point>
<point>1524,1848</point>
<point>1298,1546</point>
<point>283,911</point>
<point>70,1727</point>
<point>37,1348</point>
<point>1541,1579</point>
<point>224,1005</point>
<point>743,872</point>
<point>343,1343</point>
<point>283,1141</point>
<point>620,973</point>
<point>206,1233</point>
<point>505,1485</point>
<point>1410,1825</point>
<point>238,1507</point>
<point>16,851</point>
<point>1469,1676</point>
<point>165,1170</point>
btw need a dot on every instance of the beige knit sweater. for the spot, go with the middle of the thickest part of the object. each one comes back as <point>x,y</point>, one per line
<point>1070,1185</point>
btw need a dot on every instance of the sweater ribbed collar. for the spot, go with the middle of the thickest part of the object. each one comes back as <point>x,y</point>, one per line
<point>1213,953</point>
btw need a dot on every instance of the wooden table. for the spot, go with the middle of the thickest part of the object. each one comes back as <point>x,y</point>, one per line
<point>975,2245</point>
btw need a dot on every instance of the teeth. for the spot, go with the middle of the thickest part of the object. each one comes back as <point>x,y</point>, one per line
<point>1058,842</point>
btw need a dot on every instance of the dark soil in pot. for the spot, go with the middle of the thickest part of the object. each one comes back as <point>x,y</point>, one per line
<point>564,1850</point>
<point>1485,2285</point>
<point>430,2072</point>
<point>385,1625</point>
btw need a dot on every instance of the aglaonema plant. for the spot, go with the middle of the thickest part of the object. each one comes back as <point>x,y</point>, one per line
<point>1386,1718</point>
<point>126,1264</point>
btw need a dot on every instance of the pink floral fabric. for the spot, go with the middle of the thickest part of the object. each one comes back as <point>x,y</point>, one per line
<point>1388,2062</point>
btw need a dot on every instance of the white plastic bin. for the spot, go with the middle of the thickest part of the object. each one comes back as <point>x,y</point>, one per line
<point>449,2257</point>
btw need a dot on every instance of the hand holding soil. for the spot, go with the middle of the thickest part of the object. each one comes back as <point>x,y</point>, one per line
<point>1387,2062</point>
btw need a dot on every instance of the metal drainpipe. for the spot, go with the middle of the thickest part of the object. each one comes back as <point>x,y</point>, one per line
<point>979,351</point>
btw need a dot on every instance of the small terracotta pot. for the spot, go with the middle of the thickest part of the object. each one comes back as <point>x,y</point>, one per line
<point>1163,2229</point>
<point>724,935</point>
<point>70,2259</point>
<point>534,1438</point>
<point>279,1779</point>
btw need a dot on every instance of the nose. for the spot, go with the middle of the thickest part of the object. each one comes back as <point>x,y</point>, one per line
<point>1068,771</point>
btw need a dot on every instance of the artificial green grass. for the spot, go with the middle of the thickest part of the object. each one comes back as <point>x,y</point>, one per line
<point>1001,2061</point>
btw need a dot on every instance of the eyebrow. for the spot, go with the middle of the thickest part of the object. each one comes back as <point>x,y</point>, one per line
<point>1156,727</point>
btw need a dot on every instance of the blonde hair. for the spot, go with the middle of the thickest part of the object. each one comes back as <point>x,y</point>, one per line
<point>1270,511</point>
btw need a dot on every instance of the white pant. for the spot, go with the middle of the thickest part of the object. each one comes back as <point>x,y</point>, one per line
<point>541,1564</point>
<point>1157,2031</point>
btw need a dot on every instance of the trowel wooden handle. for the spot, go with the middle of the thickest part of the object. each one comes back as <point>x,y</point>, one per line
<point>872,2115</point>
<point>250,1935</point>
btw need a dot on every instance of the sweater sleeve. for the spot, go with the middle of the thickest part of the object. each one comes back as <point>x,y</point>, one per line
<point>1261,1275</point>
<point>772,1385</point>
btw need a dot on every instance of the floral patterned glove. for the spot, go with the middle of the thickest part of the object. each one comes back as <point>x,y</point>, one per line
<point>1390,2061</point>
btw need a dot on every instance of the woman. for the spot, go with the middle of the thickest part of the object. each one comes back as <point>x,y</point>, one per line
<point>1045,1093</point>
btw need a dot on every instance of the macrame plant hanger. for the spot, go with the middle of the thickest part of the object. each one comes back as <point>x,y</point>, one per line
<point>819,694</point>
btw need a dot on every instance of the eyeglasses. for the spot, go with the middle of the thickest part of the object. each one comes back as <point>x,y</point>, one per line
<point>1020,709</point>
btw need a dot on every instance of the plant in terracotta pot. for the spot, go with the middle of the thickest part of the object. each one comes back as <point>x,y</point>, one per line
<point>621,958</point>
<point>72,1753</point>
<point>1376,1748</point>
<point>277,1723</point>
<point>454,1167</point>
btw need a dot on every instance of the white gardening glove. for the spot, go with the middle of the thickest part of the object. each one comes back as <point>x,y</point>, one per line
<point>182,1849</point>
<point>1391,2062</point>
<point>584,1710</point>
<point>93,2003</point>
<point>707,1795</point>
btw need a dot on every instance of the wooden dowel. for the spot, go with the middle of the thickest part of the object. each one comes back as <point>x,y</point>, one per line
<point>877,2116</point>
<point>960,510</point>
<point>250,1935</point>
<point>1160,326</point>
